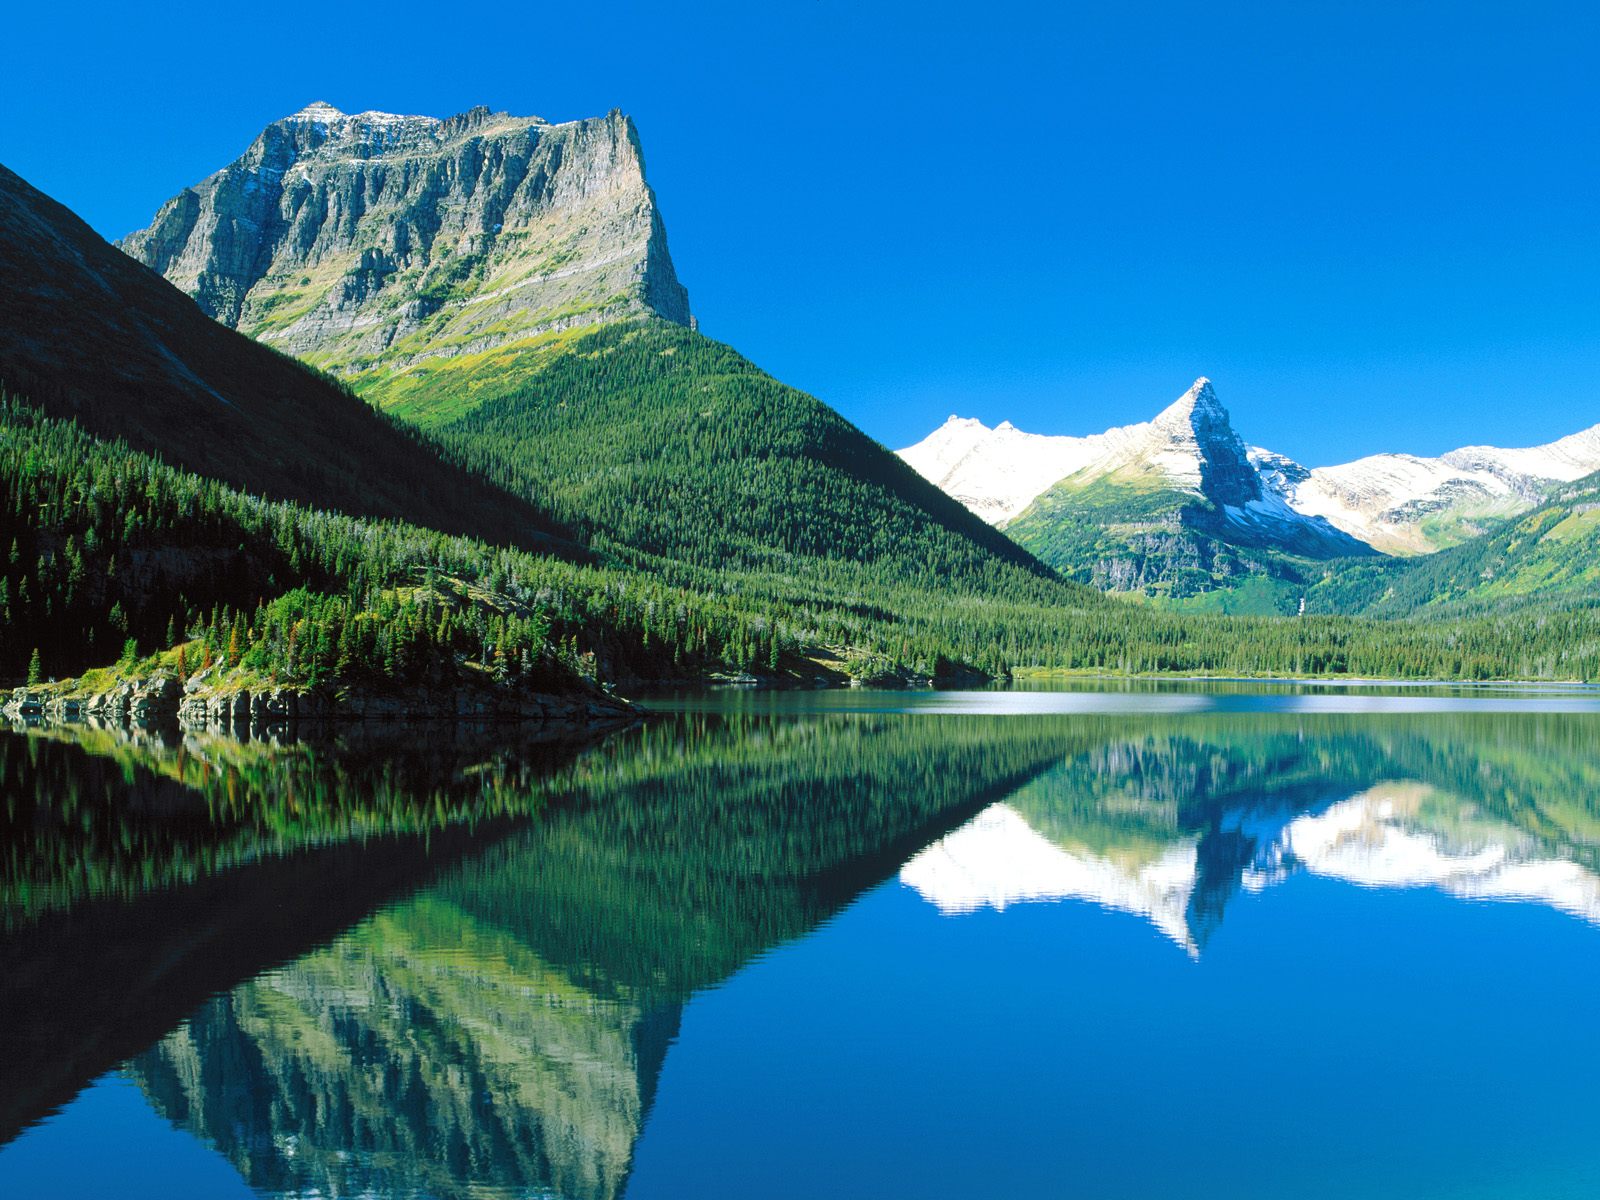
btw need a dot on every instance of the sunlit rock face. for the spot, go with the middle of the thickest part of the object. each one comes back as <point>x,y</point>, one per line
<point>349,238</point>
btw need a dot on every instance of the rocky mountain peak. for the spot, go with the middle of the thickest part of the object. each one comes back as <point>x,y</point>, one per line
<point>1196,427</point>
<point>1199,405</point>
<point>371,242</point>
<point>317,110</point>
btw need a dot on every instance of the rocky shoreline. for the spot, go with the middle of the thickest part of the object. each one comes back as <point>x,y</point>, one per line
<point>161,700</point>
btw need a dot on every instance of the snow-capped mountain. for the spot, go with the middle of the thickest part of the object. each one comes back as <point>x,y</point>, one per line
<point>1189,447</point>
<point>1397,503</point>
<point>1406,504</point>
<point>998,472</point>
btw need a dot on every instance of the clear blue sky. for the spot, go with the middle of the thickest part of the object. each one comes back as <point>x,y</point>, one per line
<point>1374,225</point>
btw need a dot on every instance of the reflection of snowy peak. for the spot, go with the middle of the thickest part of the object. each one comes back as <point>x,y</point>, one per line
<point>997,859</point>
<point>1394,835</point>
<point>1398,503</point>
<point>1378,840</point>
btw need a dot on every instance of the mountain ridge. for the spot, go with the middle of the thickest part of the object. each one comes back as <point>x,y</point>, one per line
<point>1395,503</point>
<point>1175,505</point>
<point>375,240</point>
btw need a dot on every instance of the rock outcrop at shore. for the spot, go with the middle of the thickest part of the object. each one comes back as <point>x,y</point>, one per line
<point>161,700</point>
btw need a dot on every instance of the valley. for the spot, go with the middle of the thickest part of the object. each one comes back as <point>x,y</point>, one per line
<point>504,455</point>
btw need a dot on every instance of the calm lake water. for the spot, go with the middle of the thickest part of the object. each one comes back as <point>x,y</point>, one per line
<point>1199,942</point>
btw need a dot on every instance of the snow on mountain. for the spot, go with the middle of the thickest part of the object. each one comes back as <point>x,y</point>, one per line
<point>998,472</point>
<point>1397,503</point>
<point>1406,504</point>
<point>1190,446</point>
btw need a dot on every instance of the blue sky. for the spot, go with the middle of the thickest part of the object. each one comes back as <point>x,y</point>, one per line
<point>1375,226</point>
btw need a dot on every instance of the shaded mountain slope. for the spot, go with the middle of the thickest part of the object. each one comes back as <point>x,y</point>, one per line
<point>87,332</point>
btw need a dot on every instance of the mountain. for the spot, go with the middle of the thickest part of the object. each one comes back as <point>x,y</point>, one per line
<point>505,283</point>
<point>1404,504</point>
<point>368,244</point>
<point>87,333</point>
<point>1549,555</point>
<point>1180,507</point>
<point>1173,506</point>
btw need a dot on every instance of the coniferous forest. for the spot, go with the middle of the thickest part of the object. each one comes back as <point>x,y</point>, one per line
<point>110,555</point>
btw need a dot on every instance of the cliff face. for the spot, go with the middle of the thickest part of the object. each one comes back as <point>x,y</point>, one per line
<point>341,238</point>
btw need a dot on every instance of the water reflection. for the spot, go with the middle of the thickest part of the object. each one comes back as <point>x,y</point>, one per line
<point>500,1031</point>
<point>462,977</point>
<point>1170,827</point>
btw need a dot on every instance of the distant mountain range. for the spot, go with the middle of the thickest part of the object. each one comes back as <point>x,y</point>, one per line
<point>1180,505</point>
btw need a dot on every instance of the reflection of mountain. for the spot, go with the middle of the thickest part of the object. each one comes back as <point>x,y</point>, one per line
<point>424,1054</point>
<point>998,859</point>
<point>1171,827</point>
<point>179,868</point>
<point>116,814</point>
<point>1411,835</point>
<point>502,1031</point>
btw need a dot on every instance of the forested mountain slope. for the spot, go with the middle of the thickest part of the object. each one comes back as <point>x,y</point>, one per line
<point>103,545</point>
<point>506,283</point>
<point>1548,557</point>
<point>87,332</point>
<point>660,443</point>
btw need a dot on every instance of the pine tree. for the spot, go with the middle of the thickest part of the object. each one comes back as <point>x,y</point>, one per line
<point>35,669</point>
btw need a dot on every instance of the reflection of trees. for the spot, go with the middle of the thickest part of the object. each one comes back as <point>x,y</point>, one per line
<point>505,1027</point>
<point>111,813</point>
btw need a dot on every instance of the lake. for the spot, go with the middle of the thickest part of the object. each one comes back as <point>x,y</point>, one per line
<point>1200,941</point>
